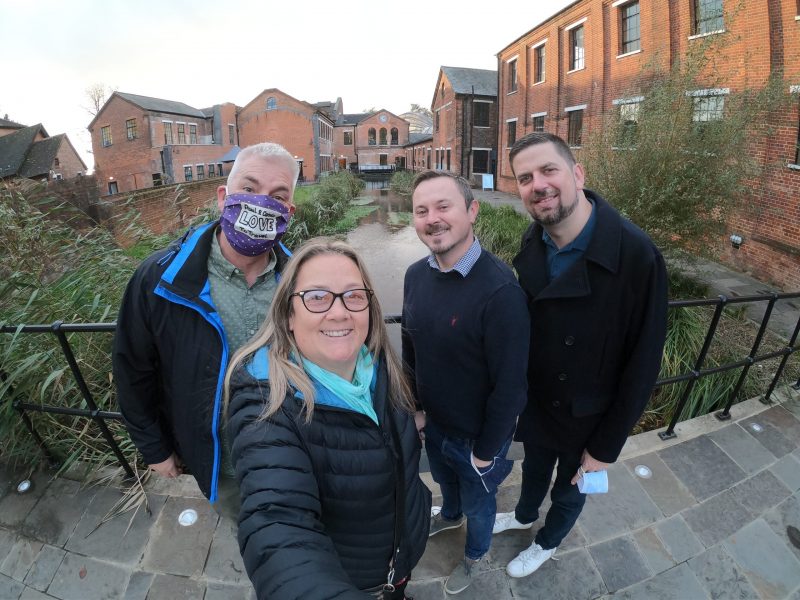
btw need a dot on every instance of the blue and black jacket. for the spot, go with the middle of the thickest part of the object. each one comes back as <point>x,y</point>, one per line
<point>170,355</point>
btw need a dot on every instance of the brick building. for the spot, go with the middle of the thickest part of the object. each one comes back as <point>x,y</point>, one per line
<point>371,141</point>
<point>464,110</point>
<point>31,153</point>
<point>303,129</point>
<point>565,73</point>
<point>141,142</point>
<point>419,151</point>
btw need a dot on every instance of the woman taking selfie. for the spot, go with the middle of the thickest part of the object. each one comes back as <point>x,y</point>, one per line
<point>324,442</point>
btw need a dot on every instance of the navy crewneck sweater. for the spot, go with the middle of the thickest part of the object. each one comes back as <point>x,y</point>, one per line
<point>465,346</point>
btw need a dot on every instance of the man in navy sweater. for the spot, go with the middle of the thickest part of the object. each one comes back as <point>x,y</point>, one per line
<point>465,344</point>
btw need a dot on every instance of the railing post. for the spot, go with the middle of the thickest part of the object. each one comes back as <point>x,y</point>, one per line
<point>87,396</point>
<point>669,433</point>
<point>725,414</point>
<point>787,351</point>
<point>51,458</point>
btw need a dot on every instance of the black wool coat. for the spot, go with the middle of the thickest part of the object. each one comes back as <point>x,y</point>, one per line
<point>597,336</point>
<point>317,517</point>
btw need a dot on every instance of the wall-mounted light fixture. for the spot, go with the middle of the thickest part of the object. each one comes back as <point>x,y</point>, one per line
<point>736,241</point>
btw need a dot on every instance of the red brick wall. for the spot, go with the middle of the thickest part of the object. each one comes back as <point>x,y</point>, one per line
<point>761,38</point>
<point>69,163</point>
<point>132,163</point>
<point>370,155</point>
<point>289,124</point>
<point>160,209</point>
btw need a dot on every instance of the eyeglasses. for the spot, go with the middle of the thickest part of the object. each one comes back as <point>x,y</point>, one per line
<point>320,301</point>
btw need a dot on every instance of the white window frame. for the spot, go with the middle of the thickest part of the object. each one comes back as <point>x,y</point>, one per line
<point>515,120</point>
<point>533,49</point>
<point>568,29</point>
<point>516,72</point>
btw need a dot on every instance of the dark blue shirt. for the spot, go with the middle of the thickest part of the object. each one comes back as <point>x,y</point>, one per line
<point>559,260</point>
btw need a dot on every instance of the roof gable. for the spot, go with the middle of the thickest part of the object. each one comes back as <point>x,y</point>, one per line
<point>41,156</point>
<point>480,82</point>
<point>14,148</point>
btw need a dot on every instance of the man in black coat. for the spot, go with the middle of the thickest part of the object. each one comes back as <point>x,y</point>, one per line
<point>597,297</point>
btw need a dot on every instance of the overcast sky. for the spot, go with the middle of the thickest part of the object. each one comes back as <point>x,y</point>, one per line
<point>204,53</point>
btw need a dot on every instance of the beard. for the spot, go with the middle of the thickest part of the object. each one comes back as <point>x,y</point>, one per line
<point>557,215</point>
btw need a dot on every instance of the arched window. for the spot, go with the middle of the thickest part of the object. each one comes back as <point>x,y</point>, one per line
<point>383,136</point>
<point>394,136</point>
<point>272,103</point>
<point>371,136</point>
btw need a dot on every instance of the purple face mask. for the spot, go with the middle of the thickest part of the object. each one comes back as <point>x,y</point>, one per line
<point>253,223</point>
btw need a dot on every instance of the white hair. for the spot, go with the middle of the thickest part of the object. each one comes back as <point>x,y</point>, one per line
<point>270,151</point>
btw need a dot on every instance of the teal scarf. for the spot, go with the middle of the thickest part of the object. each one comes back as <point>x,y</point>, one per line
<point>355,394</point>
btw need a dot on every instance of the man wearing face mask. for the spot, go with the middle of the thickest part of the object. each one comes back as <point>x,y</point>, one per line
<point>188,308</point>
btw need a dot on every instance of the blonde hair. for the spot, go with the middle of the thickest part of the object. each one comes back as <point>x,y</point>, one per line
<point>284,373</point>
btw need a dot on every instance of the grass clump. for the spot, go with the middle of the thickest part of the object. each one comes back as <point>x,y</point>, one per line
<point>500,229</point>
<point>323,210</point>
<point>53,272</point>
<point>401,182</point>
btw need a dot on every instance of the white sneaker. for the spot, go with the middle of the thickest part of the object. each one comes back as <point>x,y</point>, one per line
<point>506,521</point>
<point>529,560</point>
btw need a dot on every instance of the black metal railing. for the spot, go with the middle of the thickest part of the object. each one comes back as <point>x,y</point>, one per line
<point>60,331</point>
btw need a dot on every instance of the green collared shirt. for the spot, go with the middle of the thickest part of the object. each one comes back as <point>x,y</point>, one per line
<point>242,309</point>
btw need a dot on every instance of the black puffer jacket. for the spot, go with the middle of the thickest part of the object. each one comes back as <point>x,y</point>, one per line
<point>318,500</point>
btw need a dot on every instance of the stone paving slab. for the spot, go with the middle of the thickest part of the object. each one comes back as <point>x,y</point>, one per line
<point>44,569</point>
<point>178,550</point>
<point>653,551</point>
<point>619,562</point>
<point>10,588</point>
<point>717,518</point>
<point>110,540</point>
<point>490,584</point>
<point>229,591</point>
<point>175,587</point>
<point>426,590</point>
<point>769,437</point>
<point>82,577</point>
<point>784,421</point>
<point>742,448</point>
<point>721,576</point>
<point>32,594</point>
<point>702,467</point>
<point>572,577</point>
<point>625,508</point>
<point>787,470</point>
<point>224,560</point>
<point>15,507</point>
<point>677,583</point>
<point>20,558</point>
<point>766,560</point>
<point>785,514</point>
<point>666,490</point>
<point>678,539</point>
<point>7,541</point>
<point>760,492</point>
<point>138,585</point>
<point>53,520</point>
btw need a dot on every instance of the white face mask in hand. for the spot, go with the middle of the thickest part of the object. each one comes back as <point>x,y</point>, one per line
<point>593,483</point>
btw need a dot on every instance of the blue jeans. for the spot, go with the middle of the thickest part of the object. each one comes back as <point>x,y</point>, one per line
<point>466,490</point>
<point>537,471</point>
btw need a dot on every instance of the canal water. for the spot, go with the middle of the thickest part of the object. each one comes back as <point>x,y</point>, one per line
<point>388,245</point>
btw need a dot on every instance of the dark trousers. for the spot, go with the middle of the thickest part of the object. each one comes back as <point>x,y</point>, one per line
<point>537,471</point>
<point>466,489</point>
